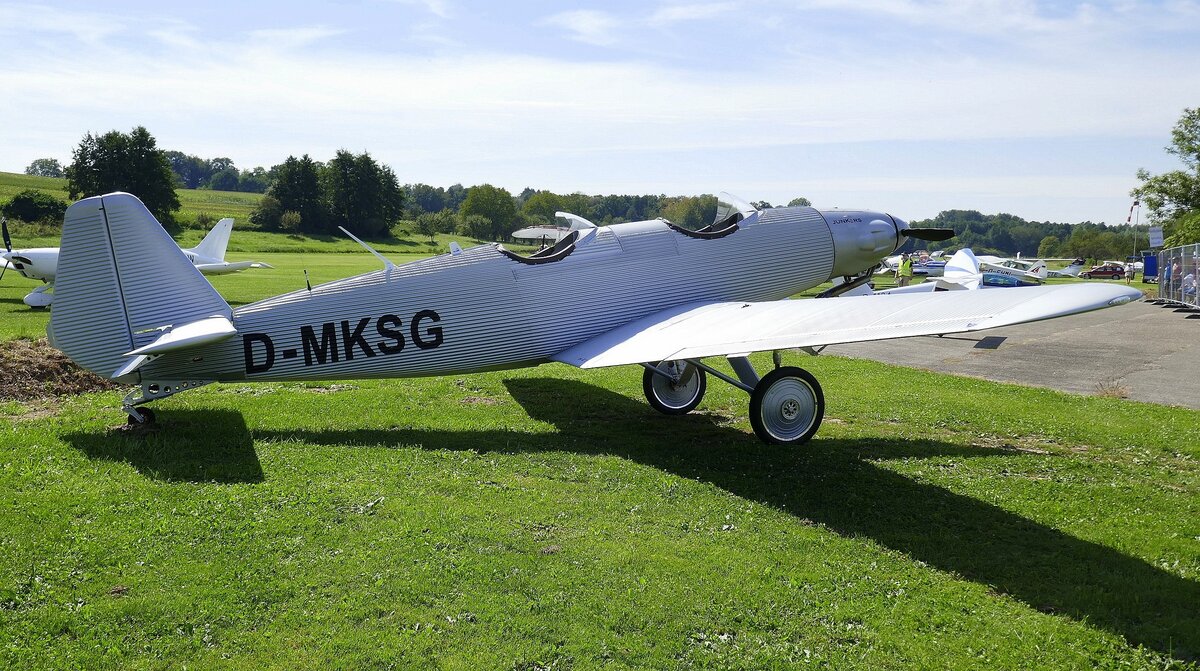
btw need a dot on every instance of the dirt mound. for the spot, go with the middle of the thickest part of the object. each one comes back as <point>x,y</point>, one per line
<point>32,369</point>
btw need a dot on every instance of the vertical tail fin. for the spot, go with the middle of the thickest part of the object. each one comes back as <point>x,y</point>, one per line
<point>121,278</point>
<point>214,244</point>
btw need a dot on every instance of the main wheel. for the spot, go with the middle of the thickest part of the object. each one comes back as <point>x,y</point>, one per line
<point>787,406</point>
<point>670,397</point>
<point>146,414</point>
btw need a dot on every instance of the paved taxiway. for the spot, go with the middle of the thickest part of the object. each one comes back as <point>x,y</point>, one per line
<point>1151,352</point>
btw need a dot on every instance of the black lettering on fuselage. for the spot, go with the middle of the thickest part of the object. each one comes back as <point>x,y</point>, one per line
<point>434,333</point>
<point>327,348</point>
<point>355,337</point>
<point>248,341</point>
<point>325,351</point>
<point>388,326</point>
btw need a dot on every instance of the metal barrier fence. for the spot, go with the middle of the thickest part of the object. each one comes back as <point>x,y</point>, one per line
<point>1178,270</point>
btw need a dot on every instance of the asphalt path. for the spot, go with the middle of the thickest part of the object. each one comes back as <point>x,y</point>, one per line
<point>1147,352</point>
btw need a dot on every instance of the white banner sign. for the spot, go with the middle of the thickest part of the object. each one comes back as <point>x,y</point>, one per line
<point>1156,239</point>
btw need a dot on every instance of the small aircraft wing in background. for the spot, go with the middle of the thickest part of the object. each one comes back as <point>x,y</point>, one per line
<point>731,329</point>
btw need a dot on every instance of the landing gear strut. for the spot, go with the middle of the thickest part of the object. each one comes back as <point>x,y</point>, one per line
<point>786,405</point>
<point>152,391</point>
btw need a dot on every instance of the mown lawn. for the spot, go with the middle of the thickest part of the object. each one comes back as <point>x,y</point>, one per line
<point>547,518</point>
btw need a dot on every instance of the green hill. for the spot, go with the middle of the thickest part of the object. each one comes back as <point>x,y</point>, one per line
<point>216,204</point>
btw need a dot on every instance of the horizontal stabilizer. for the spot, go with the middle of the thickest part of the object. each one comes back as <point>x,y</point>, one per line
<point>716,329</point>
<point>194,334</point>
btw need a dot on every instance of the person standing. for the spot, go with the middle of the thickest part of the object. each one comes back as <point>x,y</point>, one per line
<point>904,273</point>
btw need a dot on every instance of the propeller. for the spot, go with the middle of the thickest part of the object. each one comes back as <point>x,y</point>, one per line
<point>932,234</point>
<point>7,245</point>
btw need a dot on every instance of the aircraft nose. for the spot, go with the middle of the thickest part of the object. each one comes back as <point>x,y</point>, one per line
<point>861,239</point>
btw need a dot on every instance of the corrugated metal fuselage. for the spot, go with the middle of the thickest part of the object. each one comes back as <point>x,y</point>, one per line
<point>481,310</point>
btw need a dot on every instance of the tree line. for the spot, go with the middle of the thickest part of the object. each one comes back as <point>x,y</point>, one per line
<point>357,192</point>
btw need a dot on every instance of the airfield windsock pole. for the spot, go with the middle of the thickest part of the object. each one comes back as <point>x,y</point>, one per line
<point>1136,203</point>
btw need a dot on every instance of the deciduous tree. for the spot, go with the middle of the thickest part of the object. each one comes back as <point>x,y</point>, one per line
<point>1173,194</point>
<point>494,203</point>
<point>130,162</point>
<point>45,167</point>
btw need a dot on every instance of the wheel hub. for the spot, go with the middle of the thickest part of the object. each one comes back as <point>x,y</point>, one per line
<point>790,409</point>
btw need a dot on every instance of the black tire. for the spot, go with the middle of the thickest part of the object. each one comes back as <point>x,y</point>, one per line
<point>146,414</point>
<point>670,398</point>
<point>1117,277</point>
<point>787,406</point>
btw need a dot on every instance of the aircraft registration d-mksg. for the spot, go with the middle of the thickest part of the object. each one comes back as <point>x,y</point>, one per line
<point>131,308</point>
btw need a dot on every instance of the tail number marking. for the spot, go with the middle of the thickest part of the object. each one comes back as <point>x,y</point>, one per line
<point>346,340</point>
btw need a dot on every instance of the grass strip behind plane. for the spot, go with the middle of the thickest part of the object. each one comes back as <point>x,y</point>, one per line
<point>647,292</point>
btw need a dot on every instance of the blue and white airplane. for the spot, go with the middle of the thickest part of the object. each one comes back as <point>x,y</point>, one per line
<point>647,293</point>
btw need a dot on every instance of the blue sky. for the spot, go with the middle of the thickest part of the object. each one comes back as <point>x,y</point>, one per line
<point>1040,109</point>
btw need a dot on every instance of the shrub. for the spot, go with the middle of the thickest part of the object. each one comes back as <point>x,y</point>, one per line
<point>35,206</point>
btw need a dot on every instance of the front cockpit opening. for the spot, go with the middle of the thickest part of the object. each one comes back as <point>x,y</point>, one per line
<point>731,213</point>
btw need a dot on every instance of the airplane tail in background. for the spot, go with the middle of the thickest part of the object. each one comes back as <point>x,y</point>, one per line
<point>1040,269</point>
<point>123,285</point>
<point>214,244</point>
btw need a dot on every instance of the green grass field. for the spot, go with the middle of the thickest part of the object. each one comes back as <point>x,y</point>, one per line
<point>548,519</point>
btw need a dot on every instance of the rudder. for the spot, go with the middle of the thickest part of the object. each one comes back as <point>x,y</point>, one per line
<point>120,279</point>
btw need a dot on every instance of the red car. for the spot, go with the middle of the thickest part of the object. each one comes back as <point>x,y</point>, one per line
<point>1109,270</point>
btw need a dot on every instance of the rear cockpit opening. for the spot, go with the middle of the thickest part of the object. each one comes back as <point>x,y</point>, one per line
<point>556,252</point>
<point>580,232</point>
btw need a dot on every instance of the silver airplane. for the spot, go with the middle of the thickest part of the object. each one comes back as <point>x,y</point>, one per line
<point>651,293</point>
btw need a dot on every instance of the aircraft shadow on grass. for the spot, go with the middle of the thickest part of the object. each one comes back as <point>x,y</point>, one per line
<point>193,446</point>
<point>833,482</point>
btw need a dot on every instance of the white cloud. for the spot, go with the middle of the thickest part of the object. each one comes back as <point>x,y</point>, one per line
<point>589,26</point>
<point>478,115</point>
<point>291,38</point>
<point>690,12</point>
<point>439,8</point>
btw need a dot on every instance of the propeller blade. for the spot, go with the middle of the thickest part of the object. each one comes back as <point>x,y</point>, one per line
<point>7,239</point>
<point>933,234</point>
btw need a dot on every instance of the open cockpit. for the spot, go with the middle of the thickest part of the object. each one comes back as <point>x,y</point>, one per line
<point>732,212</point>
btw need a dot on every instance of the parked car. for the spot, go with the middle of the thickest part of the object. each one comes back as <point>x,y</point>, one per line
<point>1113,271</point>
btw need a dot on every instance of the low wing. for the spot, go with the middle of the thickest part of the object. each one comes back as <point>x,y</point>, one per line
<point>716,329</point>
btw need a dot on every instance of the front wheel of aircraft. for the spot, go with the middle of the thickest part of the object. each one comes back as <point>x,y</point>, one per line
<point>678,394</point>
<point>146,414</point>
<point>786,406</point>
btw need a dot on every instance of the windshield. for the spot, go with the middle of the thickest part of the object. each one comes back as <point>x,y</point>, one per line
<point>729,206</point>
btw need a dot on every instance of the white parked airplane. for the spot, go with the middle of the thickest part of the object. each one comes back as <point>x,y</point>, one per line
<point>1031,271</point>
<point>41,263</point>
<point>1077,266</point>
<point>963,271</point>
<point>647,293</point>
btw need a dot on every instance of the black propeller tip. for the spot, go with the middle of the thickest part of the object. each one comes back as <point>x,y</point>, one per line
<point>7,239</point>
<point>932,234</point>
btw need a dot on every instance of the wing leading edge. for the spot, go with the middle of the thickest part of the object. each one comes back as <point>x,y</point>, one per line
<point>718,329</point>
